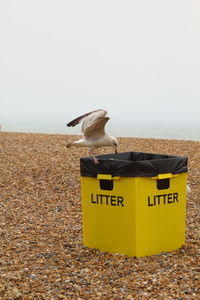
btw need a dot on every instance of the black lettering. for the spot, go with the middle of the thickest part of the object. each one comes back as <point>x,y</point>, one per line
<point>158,197</point>
<point>113,200</point>
<point>120,200</point>
<point>149,201</point>
<point>101,196</point>
<point>106,199</point>
<point>165,195</point>
<point>170,198</point>
<point>92,199</point>
<point>162,199</point>
<point>176,197</point>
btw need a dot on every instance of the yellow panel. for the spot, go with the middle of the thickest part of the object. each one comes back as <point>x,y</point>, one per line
<point>160,215</point>
<point>108,216</point>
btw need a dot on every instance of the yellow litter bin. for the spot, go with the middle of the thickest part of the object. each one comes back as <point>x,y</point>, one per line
<point>134,203</point>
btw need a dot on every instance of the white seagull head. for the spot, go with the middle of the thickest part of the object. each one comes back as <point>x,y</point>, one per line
<point>114,143</point>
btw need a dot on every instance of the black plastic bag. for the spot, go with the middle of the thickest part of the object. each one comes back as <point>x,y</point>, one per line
<point>133,164</point>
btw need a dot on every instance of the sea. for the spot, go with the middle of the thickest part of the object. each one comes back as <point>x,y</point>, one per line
<point>180,132</point>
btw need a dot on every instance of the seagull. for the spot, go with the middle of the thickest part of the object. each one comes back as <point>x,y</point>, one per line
<point>93,129</point>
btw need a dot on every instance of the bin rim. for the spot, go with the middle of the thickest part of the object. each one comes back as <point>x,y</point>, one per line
<point>133,164</point>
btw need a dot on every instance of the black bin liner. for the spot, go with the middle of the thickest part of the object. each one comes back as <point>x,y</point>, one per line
<point>133,164</point>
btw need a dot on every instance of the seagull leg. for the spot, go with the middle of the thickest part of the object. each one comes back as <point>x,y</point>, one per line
<point>93,157</point>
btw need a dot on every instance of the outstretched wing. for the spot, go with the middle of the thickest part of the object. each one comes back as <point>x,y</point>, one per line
<point>96,129</point>
<point>91,119</point>
<point>91,116</point>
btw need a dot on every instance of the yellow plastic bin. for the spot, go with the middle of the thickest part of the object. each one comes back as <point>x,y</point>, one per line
<point>134,203</point>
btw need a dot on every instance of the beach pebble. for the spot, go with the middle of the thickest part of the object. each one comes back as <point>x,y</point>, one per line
<point>41,238</point>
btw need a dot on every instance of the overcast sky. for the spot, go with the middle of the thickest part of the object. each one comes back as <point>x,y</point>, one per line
<point>138,59</point>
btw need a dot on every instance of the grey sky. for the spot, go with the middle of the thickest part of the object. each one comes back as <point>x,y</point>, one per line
<point>138,59</point>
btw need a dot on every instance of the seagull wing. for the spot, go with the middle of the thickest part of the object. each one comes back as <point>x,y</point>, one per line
<point>87,118</point>
<point>91,119</point>
<point>96,129</point>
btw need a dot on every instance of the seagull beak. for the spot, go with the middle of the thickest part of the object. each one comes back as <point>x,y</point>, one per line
<point>115,150</point>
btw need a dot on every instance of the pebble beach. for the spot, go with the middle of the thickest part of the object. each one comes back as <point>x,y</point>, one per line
<point>41,250</point>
